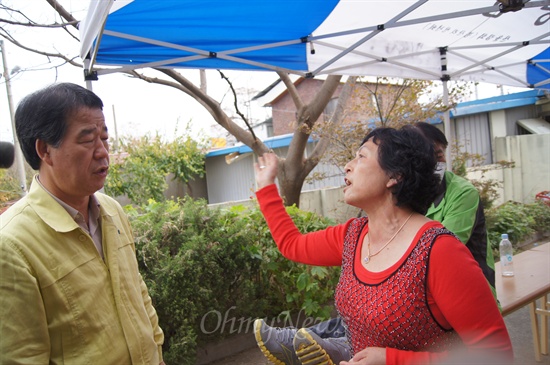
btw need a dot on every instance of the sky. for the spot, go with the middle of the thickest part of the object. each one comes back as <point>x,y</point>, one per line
<point>137,107</point>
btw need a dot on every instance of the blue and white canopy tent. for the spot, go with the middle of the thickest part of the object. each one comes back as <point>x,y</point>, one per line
<point>410,39</point>
<point>502,42</point>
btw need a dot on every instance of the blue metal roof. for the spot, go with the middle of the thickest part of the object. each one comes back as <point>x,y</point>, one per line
<point>497,103</point>
<point>271,142</point>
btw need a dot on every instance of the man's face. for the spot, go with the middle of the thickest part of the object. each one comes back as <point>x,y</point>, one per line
<point>440,150</point>
<point>78,167</point>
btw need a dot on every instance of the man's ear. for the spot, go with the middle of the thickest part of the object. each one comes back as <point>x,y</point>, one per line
<point>43,151</point>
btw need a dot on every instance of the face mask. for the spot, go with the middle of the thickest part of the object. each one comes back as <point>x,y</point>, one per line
<point>440,169</point>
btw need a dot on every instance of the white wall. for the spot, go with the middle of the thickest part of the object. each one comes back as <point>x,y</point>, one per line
<point>531,174</point>
<point>325,202</point>
<point>497,119</point>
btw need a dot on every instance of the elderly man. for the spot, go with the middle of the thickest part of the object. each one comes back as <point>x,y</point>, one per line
<point>70,290</point>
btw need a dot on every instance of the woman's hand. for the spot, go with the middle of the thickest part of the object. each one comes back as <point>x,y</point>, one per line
<point>266,169</point>
<point>368,356</point>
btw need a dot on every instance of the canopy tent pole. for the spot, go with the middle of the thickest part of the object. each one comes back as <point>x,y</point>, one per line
<point>447,126</point>
<point>447,115</point>
<point>379,29</point>
<point>20,162</point>
<point>88,80</point>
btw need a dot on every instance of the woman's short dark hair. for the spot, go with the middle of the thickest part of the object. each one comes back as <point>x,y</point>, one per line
<point>406,155</point>
<point>43,115</point>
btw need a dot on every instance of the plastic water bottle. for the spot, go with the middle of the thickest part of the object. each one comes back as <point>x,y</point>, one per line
<point>506,256</point>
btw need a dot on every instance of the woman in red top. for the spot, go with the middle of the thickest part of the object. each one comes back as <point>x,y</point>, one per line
<point>409,291</point>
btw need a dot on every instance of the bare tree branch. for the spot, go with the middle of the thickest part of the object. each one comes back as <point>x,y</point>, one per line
<point>35,25</point>
<point>10,10</point>
<point>63,13</point>
<point>308,115</point>
<point>245,120</point>
<point>216,111</point>
<point>291,88</point>
<point>47,54</point>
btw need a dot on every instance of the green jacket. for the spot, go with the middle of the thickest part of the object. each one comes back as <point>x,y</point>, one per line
<point>60,303</point>
<point>459,209</point>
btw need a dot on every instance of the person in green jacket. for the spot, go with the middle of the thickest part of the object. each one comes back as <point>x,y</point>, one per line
<point>70,289</point>
<point>458,207</point>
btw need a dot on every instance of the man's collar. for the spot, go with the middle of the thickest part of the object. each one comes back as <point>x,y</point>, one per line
<point>93,203</point>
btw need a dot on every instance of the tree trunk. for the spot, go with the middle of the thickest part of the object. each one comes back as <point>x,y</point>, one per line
<point>291,180</point>
<point>294,169</point>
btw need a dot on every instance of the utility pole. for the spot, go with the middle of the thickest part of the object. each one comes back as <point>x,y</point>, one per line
<point>115,147</point>
<point>20,164</point>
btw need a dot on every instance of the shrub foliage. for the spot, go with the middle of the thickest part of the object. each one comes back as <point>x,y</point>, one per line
<point>518,220</point>
<point>211,272</point>
<point>142,173</point>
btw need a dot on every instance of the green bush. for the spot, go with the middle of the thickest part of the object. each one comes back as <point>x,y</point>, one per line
<point>9,187</point>
<point>141,172</point>
<point>210,272</point>
<point>518,220</point>
<point>541,216</point>
<point>291,285</point>
<point>511,218</point>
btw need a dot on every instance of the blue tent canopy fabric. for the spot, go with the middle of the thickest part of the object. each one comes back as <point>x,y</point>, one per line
<point>478,40</point>
<point>538,68</point>
<point>206,27</point>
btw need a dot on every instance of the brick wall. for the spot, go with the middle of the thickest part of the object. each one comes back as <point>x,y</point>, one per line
<point>359,108</point>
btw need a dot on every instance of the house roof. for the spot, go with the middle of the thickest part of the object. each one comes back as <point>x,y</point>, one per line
<point>497,103</point>
<point>535,125</point>
<point>271,142</point>
<point>267,96</point>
